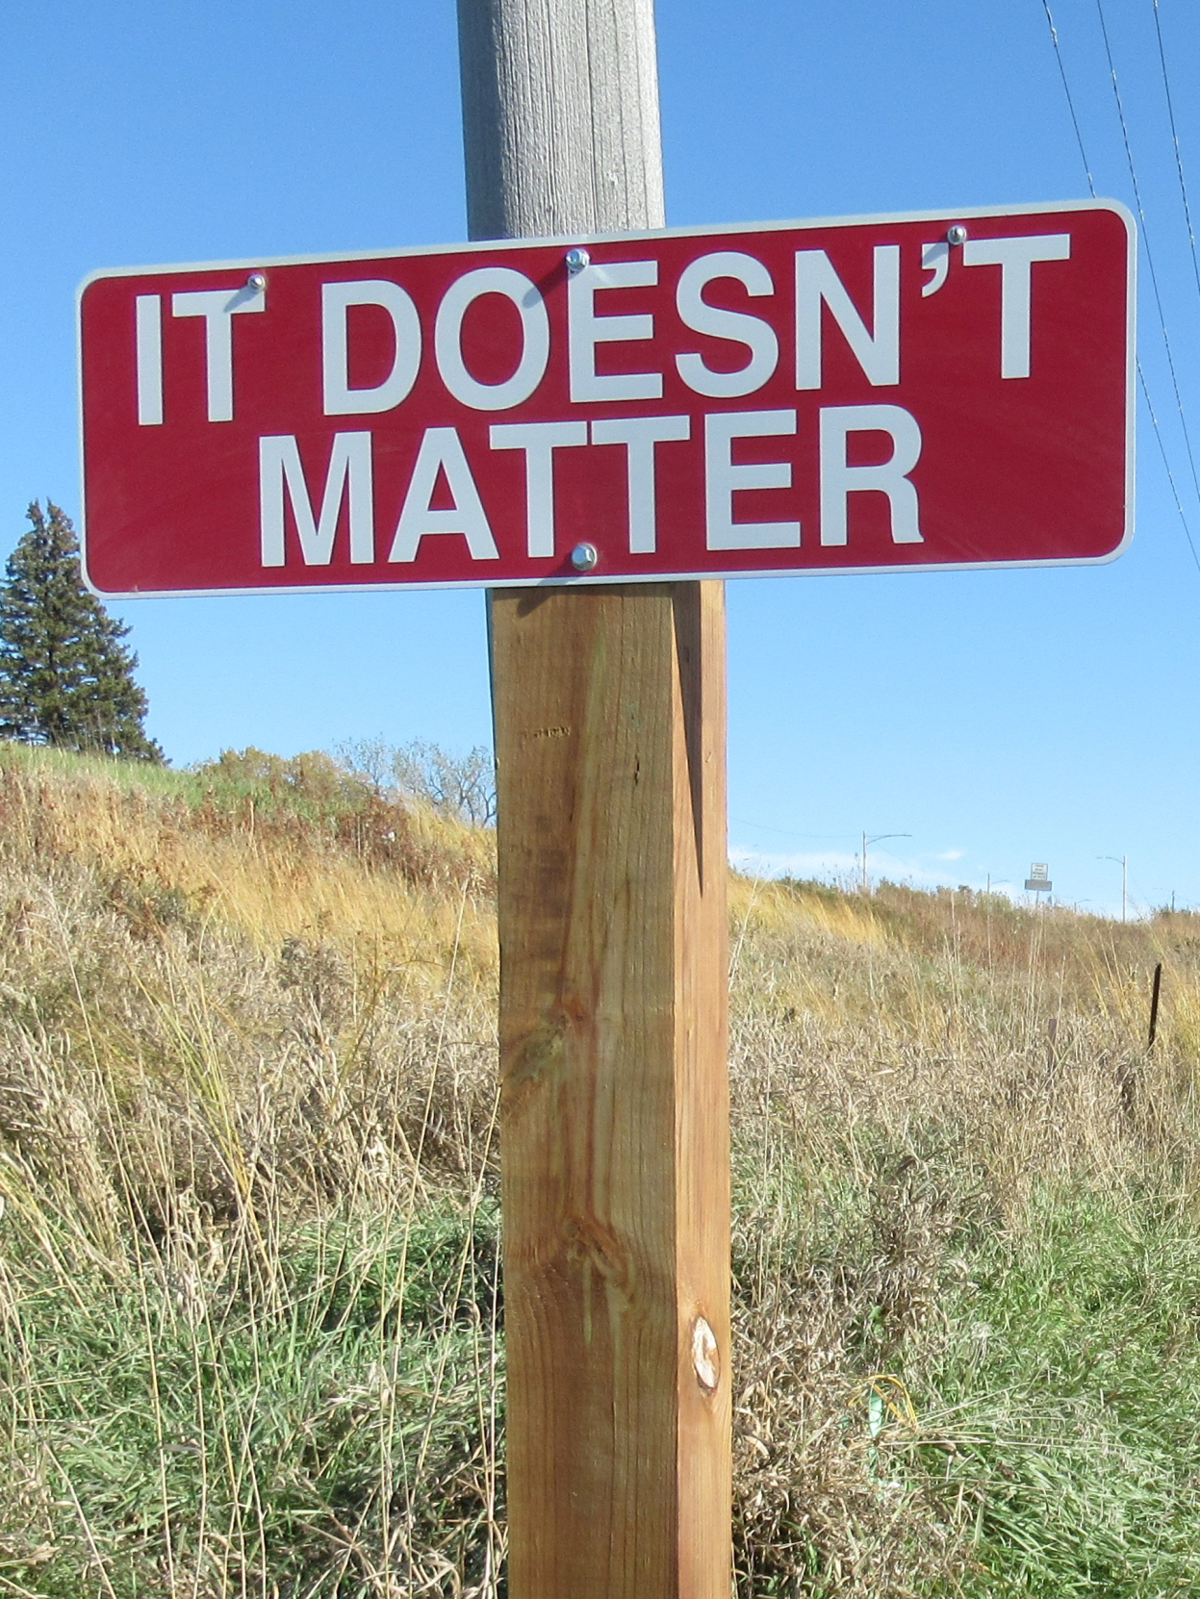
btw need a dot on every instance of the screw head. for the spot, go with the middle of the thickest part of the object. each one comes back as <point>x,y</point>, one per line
<point>256,282</point>
<point>956,234</point>
<point>577,259</point>
<point>585,557</point>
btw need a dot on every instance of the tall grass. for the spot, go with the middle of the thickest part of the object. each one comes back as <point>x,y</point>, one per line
<point>251,1327</point>
<point>952,1147</point>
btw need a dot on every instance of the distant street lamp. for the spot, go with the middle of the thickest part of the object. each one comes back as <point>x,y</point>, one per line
<point>1123,863</point>
<point>876,838</point>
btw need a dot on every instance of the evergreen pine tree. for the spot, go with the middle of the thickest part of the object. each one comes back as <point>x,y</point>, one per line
<point>65,677</point>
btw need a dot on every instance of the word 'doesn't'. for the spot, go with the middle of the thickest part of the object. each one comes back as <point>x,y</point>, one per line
<point>905,392</point>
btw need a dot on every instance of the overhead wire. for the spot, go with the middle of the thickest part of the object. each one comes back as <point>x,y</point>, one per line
<point>1137,196</point>
<point>1187,210</point>
<point>1187,214</point>
<point>1187,532</point>
<point>1062,72</point>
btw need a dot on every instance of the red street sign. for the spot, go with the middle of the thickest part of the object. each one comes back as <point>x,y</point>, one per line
<point>948,389</point>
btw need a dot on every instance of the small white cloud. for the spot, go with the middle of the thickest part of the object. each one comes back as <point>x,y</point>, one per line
<point>826,864</point>
<point>844,868</point>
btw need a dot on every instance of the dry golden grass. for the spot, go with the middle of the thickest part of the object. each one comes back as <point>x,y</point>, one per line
<point>240,1028</point>
<point>909,1073</point>
<point>270,877</point>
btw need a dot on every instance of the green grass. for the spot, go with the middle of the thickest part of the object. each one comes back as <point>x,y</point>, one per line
<point>1069,1391</point>
<point>123,774</point>
<point>947,1404</point>
<point>276,1436</point>
<point>313,786</point>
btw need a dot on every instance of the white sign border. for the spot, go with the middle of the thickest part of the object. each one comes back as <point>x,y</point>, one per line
<point>567,241</point>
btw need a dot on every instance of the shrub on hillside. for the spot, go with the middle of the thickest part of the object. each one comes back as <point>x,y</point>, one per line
<point>462,787</point>
<point>317,796</point>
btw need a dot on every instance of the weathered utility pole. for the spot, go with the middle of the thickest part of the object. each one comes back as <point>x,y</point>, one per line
<point>610,742</point>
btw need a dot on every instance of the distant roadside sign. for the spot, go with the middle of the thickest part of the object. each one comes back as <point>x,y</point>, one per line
<point>1038,881</point>
<point>938,390</point>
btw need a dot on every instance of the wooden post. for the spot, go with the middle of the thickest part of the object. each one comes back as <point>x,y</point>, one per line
<point>610,743</point>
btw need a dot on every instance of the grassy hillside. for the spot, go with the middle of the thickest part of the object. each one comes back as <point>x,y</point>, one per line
<point>251,1333</point>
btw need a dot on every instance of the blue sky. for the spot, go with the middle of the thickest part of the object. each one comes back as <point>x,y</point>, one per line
<point>996,717</point>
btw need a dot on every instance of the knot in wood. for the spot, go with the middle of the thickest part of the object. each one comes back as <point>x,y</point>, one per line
<point>706,1355</point>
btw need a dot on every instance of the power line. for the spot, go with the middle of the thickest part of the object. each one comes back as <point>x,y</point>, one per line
<point>1137,195</point>
<point>1187,532</point>
<point>1062,72</point>
<point>1187,210</point>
